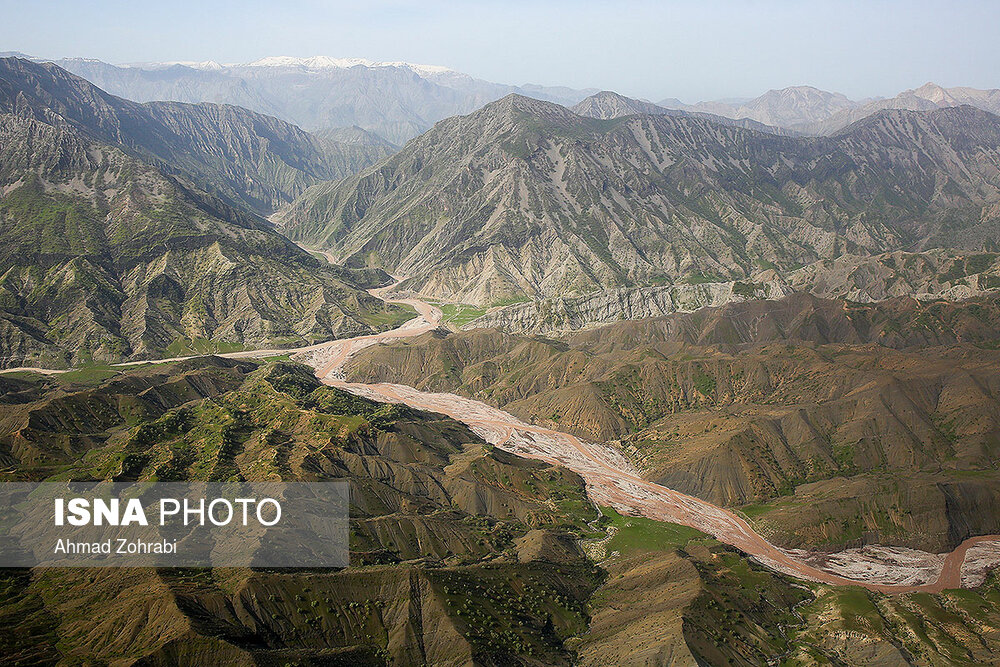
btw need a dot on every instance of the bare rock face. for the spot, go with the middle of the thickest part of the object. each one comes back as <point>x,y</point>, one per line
<point>568,314</point>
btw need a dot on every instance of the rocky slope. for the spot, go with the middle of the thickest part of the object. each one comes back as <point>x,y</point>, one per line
<point>926,97</point>
<point>459,555</point>
<point>789,108</point>
<point>808,110</point>
<point>561,314</point>
<point>935,274</point>
<point>676,600</point>
<point>106,256</point>
<point>524,198</point>
<point>248,159</point>
<point>928,276</point>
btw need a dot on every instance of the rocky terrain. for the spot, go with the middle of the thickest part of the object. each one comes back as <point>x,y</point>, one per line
<point>693,389</point>
<point>560,314</point>
<point>399,100</point>
<point>608,104</point>
<point>458,553</point>
<point>526,199</point>
<point>932,275</point>
<point>790,107</point>
<point>926,97</point>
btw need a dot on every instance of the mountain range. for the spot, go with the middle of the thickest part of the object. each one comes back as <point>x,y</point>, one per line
<point>250,159</point>
<point>395,100</point>
<point>524,198</point>
<point>129,229</point>
<point>811,111</point>
<point>609,104</point>
<point>400,100</point>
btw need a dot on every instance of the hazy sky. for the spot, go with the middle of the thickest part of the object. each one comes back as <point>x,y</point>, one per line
<point>691,50</point>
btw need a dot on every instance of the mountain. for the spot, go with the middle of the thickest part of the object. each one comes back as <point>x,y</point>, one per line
<point>396,100</point>
<point>808,110</point>
<point>927,97</point>
<point>459,553</point>
<point>562,314</point>
<point>793,106</point>
<point>932,275</point>
<point>607,104</point>
<point>525,198</point>
<point>788,107</point>
<point>355,136</point>
<point>108,253</point>
<point>249,159</point>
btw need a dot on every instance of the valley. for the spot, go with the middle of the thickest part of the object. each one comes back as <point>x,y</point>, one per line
<point>612,482</point>
<point>611,479</point>
<point>611,381</point>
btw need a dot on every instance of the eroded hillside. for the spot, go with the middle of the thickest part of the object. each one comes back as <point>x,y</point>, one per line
<point>526,199</point>
<point>104,255</point>
<point>760,403</point>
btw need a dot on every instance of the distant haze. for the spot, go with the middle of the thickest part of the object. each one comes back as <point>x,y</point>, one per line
<point>688,50</point>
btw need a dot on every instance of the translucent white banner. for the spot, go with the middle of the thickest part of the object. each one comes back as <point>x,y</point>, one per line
<point>172,524</point>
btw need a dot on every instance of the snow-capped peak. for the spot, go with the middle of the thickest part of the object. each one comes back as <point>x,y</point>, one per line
<point>204,64</point>
<point>326,62</point>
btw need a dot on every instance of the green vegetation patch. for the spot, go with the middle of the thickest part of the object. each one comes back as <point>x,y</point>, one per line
<point>391,317</point>
<point>461,314</point>
<point>702,278</point>
<point>755,510</point>
<point>499,303</point>
<point>703,382</point>
<point>642,534</point>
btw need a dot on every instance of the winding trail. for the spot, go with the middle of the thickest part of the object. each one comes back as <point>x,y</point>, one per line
<point>611,479</point>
